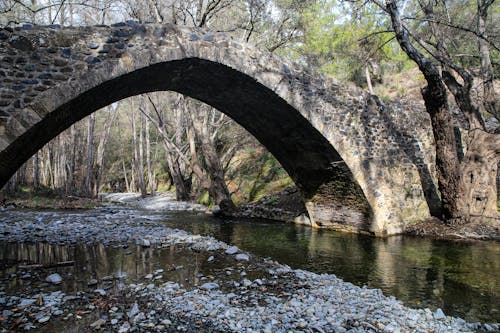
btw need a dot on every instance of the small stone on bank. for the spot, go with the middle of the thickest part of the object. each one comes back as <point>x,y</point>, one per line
<point>92,282</point>
<point>134,311</point>
<point>242,257</point>
<point>232,250</point>
<point>439,314</point>
<point>54,278</point>
<point>98,323</point>
<point>209,286</point>
<point>101,292</point>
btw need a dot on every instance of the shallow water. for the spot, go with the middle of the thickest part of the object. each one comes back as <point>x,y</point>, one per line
<point>462,278</point>
<point>459,277</point>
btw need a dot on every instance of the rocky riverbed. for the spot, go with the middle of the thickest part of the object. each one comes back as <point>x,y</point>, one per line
<point>206,285</point>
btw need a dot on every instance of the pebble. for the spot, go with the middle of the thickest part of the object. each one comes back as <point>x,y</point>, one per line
<point>209,286</point>
<point>439,314</point>
<point>133,311</point>
<point>124,328</point>
<point>54,278</point>
<point>98,323</point>
<point>92,282</point>
<point>101,292</point>
<point>232,250</point>
<point>242,257</point>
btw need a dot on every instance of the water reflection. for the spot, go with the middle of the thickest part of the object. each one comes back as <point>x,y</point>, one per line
<point>24,264</point>
<point>459,277</point>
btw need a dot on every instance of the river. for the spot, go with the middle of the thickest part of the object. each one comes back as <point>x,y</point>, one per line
<point>460,277</point>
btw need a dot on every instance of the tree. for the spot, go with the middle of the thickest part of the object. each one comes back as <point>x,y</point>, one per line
<point>206,122</point>
<point>89,174</point>
<point>467,186</point>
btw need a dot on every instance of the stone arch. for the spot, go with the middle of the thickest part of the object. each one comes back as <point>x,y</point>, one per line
<point>302,150</point>
<point>327,136</point>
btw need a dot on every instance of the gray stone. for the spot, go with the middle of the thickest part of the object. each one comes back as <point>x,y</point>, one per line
<point>242,257</point>
<point>133,311</point>
<point>124,328</point>
<point>101,292</point>
<point>98,323</point>
<point>92,282</point>
<point>232,250</point>
<point>54,278</point>
<point>21,43</point>
<point>66,53</point>
<point>209,286</point>
<point>439,314</point>
<point>92,60</point>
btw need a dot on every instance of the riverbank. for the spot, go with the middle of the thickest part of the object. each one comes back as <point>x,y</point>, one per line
<point>237,292</point>
<point>476,228</point>
<point>49,202</point>
<point>286,206</point>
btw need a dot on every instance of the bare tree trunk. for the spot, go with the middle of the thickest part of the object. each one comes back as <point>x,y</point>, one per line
<point>72,161</point>
<point>436,103</point>
<point>50,169</point>
<point>148,160</point>
<point>36,172</point>
<point>134,142</point>
<point>467,187</point>
<point>140,169</point>
<point>369,79</point>
<point>90,156</point>
<point>182,184</point>
<point>195,161</point>
<point>133,185</point>
<point>21,175</point>
<point>101,148</point>
<point>42,166</point>
<point>201,121</point>
<point>127,186</point>
<point>61,161</point>
<point>490,102</point>
<point>138,153</point>
<point>176,159</point>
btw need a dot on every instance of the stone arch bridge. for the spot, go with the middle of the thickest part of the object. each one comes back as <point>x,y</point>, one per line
<point>358,163</point>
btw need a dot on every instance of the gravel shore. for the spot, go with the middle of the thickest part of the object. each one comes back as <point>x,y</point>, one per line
<point>245,294</point>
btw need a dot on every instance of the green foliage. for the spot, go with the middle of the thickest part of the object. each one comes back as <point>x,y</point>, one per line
<point>341,40</point>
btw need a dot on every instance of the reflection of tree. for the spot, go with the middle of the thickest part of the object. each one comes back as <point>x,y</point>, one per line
<point>347,255</point>
<point>398,267</point>
<point>467,276</point>
<point>102,260</point>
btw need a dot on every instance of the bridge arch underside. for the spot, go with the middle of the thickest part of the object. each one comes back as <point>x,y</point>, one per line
<point>328,186</point>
